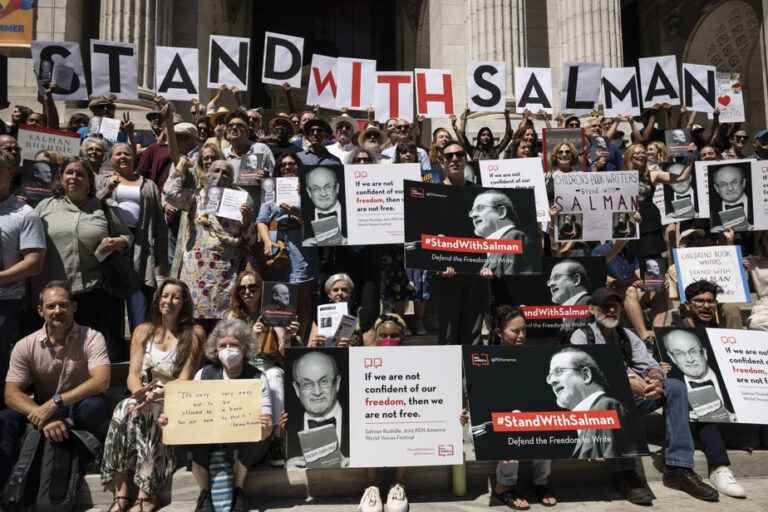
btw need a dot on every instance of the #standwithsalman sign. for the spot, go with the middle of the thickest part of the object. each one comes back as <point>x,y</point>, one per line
<point>470,229</point>
<point>589,414</point>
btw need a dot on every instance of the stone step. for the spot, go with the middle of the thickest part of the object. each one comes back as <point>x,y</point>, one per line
<point>274,483</point>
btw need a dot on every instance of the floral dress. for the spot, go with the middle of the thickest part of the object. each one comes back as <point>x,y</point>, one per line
<point>134,440</point>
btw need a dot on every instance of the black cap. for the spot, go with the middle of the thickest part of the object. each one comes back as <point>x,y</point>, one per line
<point>602,296</point>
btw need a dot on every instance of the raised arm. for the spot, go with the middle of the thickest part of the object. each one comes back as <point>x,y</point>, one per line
<point>50,112</point>
<point>508,133</point>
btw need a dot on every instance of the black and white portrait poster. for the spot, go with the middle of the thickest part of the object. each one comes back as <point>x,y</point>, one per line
<point>551,138</point>
<point>573,402</point>
<point>742,358</point>
<point>322,205</point>
<point>686,356</point>
<point>596,206</point>
<point>317,401</point>
<point>731,204</point>
<point>278,304</point>
<point>518,173</point>
<point>470,229</point>
<point>375,202</point>
<point>555,302</point>
<point>677,141</point>
<point>681,201</point>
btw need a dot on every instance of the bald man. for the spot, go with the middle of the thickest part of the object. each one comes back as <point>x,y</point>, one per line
<point>730,183</point>
<point>322,187</point>
<point>568,283</point>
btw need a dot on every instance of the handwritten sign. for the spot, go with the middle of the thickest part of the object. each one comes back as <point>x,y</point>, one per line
<point>33,140</point>
<point>213,411</point>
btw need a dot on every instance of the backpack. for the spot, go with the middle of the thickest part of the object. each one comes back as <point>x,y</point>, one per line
<point>47,476</point>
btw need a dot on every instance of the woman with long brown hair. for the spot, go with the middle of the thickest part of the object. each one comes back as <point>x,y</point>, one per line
<point>166,348</point>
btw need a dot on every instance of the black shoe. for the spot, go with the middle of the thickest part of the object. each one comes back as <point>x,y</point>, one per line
<point>204,502</point>
<point>634,489</point>
<point>238,501</point>
<point>688,481</point>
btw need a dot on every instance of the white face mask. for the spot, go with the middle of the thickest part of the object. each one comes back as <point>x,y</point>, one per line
<point>230,356</point>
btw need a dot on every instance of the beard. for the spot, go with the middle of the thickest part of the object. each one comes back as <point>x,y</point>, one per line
<point>608,323</point>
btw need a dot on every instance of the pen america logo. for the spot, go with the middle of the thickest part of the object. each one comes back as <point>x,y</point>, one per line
<point>480,360</point>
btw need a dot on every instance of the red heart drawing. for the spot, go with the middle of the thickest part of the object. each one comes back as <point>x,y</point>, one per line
<point>724,100</point>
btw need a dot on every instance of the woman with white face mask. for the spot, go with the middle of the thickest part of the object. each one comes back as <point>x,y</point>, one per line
<point>229,348</point>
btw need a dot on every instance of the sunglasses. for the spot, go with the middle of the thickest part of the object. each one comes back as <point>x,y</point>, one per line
<point>237,126</point>
<point>457,154</point>
<point>249,287</point>
<point>288,163</point>
<point>316,130</point>
<point>362,160</point>
<point>564,152</point>
<point>740,138</point>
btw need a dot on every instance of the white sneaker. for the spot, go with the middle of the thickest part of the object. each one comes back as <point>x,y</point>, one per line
<point>397,501</point>
<point>723,480</point>
<point>371,500</point>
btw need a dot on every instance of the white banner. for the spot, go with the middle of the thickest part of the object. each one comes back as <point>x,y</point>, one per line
<point>658,80</point>
<point>533,90</point>
<point>596,206</point>
<point>404,405</point>
<point>176,73</point>
<point>114,69</point>
<point>356,79</point>
<point>228,60</point>
<point>322,87</point>
<point>743,360</point>
<point>518,173</point>
<point>434,93</point>
<point>699,87</point>
<point>621,94</point>
<point>486,86</point>
<point>32,140</point>
<point>375,213</point>
<point>394,96</point>
<point>579,87</point>
<point>283,56</point>
<point>47,54</point>
<point>721,265</point>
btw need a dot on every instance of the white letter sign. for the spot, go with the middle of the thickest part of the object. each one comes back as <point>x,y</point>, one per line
<point>486,86</point>
<point>434,93</point>
<point>114,70</point>
<point>176,73</point>
<point>394,96</point>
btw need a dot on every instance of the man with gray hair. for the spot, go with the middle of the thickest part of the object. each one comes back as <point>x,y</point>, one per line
<point>568,283</point>
<point>494,217</point>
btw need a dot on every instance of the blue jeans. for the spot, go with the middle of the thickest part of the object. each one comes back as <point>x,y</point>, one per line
<point>9,332</point>
<point>138,306</point>
<point>678,450</point>
<point>91,414</point>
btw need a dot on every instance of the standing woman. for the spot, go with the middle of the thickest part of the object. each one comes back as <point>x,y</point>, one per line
<point>217,247</point>
<point>166,348</point>
<point>75,226</point>
<point>136,202</point>
<point>440,137</point>
<point>485,149</point>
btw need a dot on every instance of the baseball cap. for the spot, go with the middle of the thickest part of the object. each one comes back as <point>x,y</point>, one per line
<point>602,296</point>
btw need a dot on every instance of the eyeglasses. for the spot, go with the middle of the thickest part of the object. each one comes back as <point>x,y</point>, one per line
<point>703,302</point>
<point>308,385</point>
<point>288,163</point>
<point>316,130</point>
<point>689,353</point>
<point>248,287</point>
<point>481,207</point>
<point>326,189</point>
<point>237,126</point>
<point>457,154</point>
<point>558,372</point>
<point>402,127</point>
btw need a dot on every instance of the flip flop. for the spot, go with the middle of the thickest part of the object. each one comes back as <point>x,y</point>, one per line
<point>509,497</point>
<point>542,492</point>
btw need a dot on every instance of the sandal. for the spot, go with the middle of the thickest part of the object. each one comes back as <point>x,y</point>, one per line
<point>116,501</point>
<point>142,501</point>
<point>543,492</point>
<point>508,498</point>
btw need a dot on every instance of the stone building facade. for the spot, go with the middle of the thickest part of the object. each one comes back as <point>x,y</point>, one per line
<point>403,34</point>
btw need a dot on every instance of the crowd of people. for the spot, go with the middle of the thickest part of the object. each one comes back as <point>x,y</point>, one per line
<point>125,231</point>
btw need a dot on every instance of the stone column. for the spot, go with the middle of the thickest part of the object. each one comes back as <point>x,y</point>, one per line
<point>497,31</point>
<point>590,31</point>
<point>146,23</point>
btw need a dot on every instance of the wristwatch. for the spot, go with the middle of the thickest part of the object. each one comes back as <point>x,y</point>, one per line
<point>58,400</point>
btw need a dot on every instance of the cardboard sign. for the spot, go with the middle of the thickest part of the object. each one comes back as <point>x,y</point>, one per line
<point>533,90</point>
<point>542,422</point>
<point>434,93</point>
<point>699,88</point>
<point>658,80</point>
<point>316,394</point>
<point>46,54</point>
<point>283,57</point>
<point>596,206</point>
<point>213,411</point>
<point>721,265</point>
<point>486,86</point>
<point>114,69</point>
<point>555,302</point>
<point>357,82</point>
<point>621,94</point>
<point>228,59</point>
<point>478,227</point>
<point>518,173</point>
<point>176,73</point>
<point>394,96</point>
<point>375,211</point>
<point>403,403</point>
<point>322,87</point>
<point>32,140</point>
<point>730,98</point>
<point>579,87</point>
